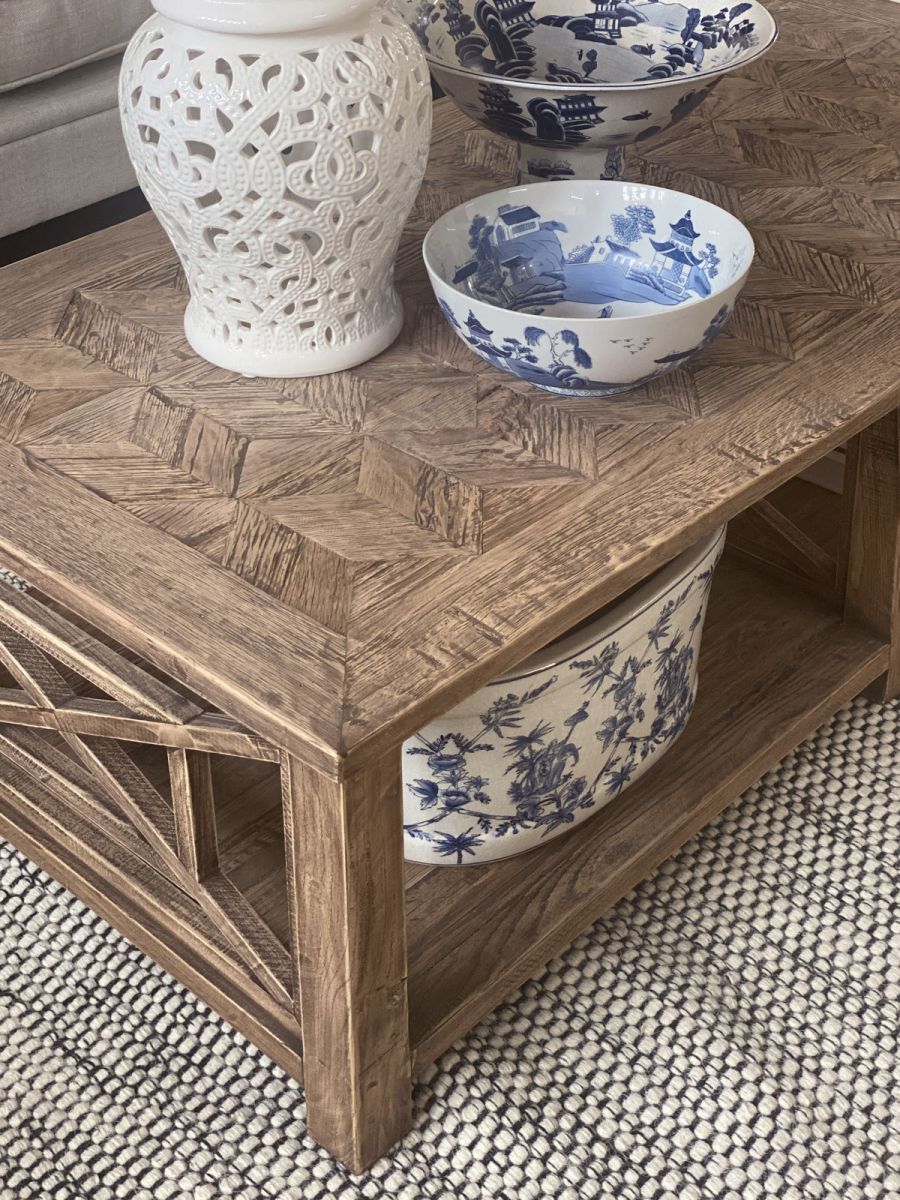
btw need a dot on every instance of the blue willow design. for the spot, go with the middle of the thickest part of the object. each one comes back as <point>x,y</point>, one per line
<point>519,261</point>
<point>500,37</point>
<point>545,788</point>
<point>567,356</point>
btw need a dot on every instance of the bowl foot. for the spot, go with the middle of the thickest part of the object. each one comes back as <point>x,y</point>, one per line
<point>616,390</point>
<point>537,164</point>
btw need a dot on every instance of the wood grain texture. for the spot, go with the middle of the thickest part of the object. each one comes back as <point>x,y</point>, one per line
<point>42,767</point>
<point>777,540</point>
<point>345,879</point>
<point>872,595</point>
<point>304,571</point>
<point>161,579</point>
<point>110,672</point>
<point>72,750</point>
<point>395,536</point>
<point>150,911</point>
<point>32,670</point>
<point>194,804</point>
<point>775,663</point>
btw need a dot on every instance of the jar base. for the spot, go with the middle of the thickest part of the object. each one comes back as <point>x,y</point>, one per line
<point>290,364</point>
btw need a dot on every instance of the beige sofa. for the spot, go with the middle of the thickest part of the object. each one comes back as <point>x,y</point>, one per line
<point>60,142</point>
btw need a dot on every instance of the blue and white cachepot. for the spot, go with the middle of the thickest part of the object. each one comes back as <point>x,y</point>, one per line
<point>575,81</point>
<point>544,748</point>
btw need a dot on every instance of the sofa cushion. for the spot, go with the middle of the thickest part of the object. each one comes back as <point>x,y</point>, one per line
<point>40,38</point>
<point>55,103</point>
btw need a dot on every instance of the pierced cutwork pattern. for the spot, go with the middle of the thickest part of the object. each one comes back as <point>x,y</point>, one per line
<point>283,178</point>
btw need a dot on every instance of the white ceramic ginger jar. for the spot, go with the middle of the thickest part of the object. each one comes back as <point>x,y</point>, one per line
<point>281,144</point>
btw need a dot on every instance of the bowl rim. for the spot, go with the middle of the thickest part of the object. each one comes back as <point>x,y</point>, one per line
<point>619,614</point>
<point>596,86</point>
<point>583,322</point>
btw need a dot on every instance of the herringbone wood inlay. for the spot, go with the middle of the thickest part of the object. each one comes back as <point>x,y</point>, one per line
<point>405,503</point>
<point>408,509</point>
<point>304,572</point>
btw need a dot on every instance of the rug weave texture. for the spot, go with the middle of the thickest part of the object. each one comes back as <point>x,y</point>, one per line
<point>731,1030</point>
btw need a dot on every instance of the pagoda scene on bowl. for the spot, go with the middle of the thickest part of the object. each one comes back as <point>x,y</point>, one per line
<point>588,289</point>
<point>576,81</point>
<point>527,263</point>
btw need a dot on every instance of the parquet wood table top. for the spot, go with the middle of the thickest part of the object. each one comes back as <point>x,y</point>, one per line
<point>334,561</point>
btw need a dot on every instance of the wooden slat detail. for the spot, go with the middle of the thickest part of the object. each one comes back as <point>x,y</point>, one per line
<point>242,928</point>
<point>32,670</point>
<point>194,803</point>
<point>238,923</point>
<point>811,557</point>
<point>17,708</point>
<point>260,949</point>
<point>48,768</point>
<point>768,536</point>
<point>229,642</point>
<point>128,787</point>
<point>345,888</point>
<point>845,520</point>
<point>210,732</point>
<point>153,913</point>
<point>180,838</point>
<point>120,799</point>
<point>74,647</point>
<point>873,550</point>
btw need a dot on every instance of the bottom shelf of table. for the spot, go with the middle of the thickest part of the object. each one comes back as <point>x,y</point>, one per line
<point>776,663</point>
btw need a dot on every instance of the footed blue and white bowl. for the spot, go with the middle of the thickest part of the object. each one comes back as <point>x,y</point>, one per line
<point>574,81</point>
<point>588,288</point>
<point>544,748</point>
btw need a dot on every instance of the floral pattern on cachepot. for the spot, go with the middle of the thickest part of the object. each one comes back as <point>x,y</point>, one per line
<point>535,754</point>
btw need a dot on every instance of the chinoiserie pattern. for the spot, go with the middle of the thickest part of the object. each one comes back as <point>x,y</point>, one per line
<point>574,87</point>
<point>503,265</point>
<point>552,746</point>
<point>522,39</point>
<point>314,559</point>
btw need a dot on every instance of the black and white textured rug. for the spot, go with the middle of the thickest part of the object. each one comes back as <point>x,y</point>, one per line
<point>729,1032</point>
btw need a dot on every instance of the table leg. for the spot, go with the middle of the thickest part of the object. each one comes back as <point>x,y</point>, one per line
<point>872,539</point>
<point>348,921</point>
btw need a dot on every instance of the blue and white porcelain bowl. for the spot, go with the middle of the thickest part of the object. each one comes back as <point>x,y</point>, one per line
<point>547,746</point>
<point>574,81</point>
<point>588,288</point>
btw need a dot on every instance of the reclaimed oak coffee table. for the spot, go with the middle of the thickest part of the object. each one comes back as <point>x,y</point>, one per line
<point>246,594</point>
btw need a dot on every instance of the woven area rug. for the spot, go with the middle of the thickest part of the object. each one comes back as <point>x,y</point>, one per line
<point>729,1031</point>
